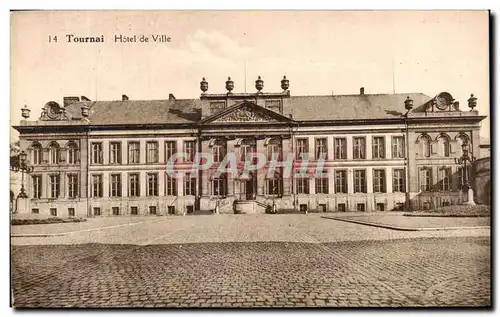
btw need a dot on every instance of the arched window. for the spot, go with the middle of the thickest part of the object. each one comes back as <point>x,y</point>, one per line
<point>36,154</point>
<point>72,153</point>
<point>54,153</point>
<point>425,142</point>
<point>247,147</point>
<point>444,145</point>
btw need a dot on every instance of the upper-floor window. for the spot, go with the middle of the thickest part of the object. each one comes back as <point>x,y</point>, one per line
<point>152,152</point>
<point>170,186</point>
<point>72,153</point>
<point>54,153</point>
<point>398,147</point>
<point>340,148</point>
<point>219,151</point>
<point>444,145</point>
<point>359,148</point>
<point>116,185</point>
<point>360,181</point>
<point>189,185</point>
<point>302,149</point>
<point>425,143</point>
<point>378,147</point>
<point>152,184</point>
<point>36,154</point>
<point>321,148</point>
<point>379,181</point>
<point>97,186</point>
<point>97,153</point>
<point>246,148</point>
<point>219,185</point>
<point>170,149</point>
<point>134,185</point>
<point>134,152</point>
<point>115,153</point>
<point>190,150</point>
<point>273,149</point>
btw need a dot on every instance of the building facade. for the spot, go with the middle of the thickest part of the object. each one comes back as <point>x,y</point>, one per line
<point>245,152</point>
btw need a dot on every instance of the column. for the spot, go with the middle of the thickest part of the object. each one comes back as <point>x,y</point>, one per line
<point>350,181</point>
<point>105,184</point>
<point>105,152</point>
<point>124,179</point>
<point>331,181</point>
<point>349,147</point>
<point>124,149</point>
<point>260,173</point>
<point>369,154</point>
<point>287,179</point>
<point>388,180</point>
<point>230,148</point>
<point>312,186</point>
<point>330,147</point>
<point>369,180</point>
<point>388,146</point>
<point>143,181</point>
<point>162,177</point>
<point>142,151</point>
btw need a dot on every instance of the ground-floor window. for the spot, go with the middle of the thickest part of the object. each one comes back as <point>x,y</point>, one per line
<point>302,185</point>
<point>97,211</point>
<point>380,206</point>
<point>171,210</point>
<point>360,207</point>
<point>71,212</point>
<point>303,207</point>
<point>35,211</point>
<point>134,210</point>
<point>322,207</point>
<point>152,210</point>
<point>274,186</point>
<point>189,185</point>
<point>322,185</point>
<point>53,212</point>
<point>116,211</point>
<point>341,207</point>
<point>219,186</point>
<point>189,209</point>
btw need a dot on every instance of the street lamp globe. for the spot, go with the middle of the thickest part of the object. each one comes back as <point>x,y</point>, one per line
<point>23,156</point>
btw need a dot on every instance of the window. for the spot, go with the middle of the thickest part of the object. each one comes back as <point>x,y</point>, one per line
<point>245,149</point>
<point>189,209</point>
<point>321,149</point>
<point>445,203</point>
<point>96,185</point>
<point>462,176</point>
<point>218,151</point>
<point>170,149</point>
<point>273,150</point>
<point>37,154</point>
<point>378,147</point>
<point>97,211</point>
<point>134,185</point>
<point>426,179</point>
<point>341,207</point>
<point>219,186</point>
<point>274,185</point>
<point>152,184</point>
<point>322,185</point>
<point>380,206</point>
<point>115,211</point>
<point>96,153</point>
<point>398,181</point>
<point>72,186</point>
<point>341,182</point>
<point>134,210</point>
<point>134,153</point>
<point>322,207</point>
<point>379,181</point>
<point>171,210</point>
<point>302,149</point>
<point>170,186</point>
<point>53,212</point>
<point>303,207</point>
<point>54,153</point>
<point>54,186</point>
<point>116,185</point>
<point>426,146</point>
<point>360,207</point>
<point>302,185</point>
<point>35,211</point>
<point>189,185</point>
<point>115,153</point>
<point>444,145</point>
<point>72,153</point>
<point>190,150</point>
<point>71,212</point>
<point>445,179</point>
<point>37,186</point>
<point>360,181</point>
<point>359,148</point>
<point>152,210</point>
<point>340,148</point>
<point>398,147</point>
<point>152,152</point>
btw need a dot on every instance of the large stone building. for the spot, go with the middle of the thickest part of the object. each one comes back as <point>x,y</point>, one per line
<point>364,152</point>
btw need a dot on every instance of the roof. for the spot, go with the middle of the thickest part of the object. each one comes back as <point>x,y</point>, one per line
<point>304,108</point>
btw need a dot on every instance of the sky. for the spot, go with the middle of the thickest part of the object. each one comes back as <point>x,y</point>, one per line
<point>320,52</point>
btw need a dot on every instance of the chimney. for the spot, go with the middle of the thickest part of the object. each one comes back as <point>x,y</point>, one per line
<point>70,100</point>
<point>171,97</point>
<point>124,97</point>
<point>362,90</point>
<point>83,98</point>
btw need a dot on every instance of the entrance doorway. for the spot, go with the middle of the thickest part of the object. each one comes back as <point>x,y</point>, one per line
<point>248,187</point>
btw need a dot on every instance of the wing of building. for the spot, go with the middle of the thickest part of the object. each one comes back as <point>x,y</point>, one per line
<point>244,152</point>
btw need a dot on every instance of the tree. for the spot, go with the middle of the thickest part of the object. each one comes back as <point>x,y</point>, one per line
<point>15,149</point>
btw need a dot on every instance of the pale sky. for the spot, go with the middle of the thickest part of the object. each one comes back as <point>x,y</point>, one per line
<point>319,51</point>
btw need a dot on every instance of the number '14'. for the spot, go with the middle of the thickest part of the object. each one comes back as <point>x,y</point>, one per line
<point>52,38</point>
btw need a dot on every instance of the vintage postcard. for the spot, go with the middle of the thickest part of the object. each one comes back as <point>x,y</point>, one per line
<point>244,159</point>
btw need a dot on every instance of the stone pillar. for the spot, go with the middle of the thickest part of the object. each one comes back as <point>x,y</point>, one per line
<point>23,205</point>
<point>287,179</point>
<point>260,173</point>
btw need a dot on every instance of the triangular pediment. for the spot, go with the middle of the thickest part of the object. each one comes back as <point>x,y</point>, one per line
<point>246,112</point>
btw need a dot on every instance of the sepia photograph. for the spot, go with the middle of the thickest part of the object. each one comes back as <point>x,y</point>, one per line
<point>250,159</point>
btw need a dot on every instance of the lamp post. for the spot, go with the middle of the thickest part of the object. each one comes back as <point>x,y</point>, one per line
<point>23,167</point>
<point>408,107</point>
<point>465,185</point>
